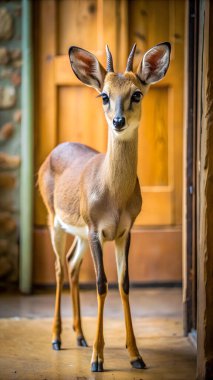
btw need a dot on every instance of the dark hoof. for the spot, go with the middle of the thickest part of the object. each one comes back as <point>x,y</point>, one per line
<point>81,342</point>
<point>138,364</point>
<point>56,345</point>
<point>100,367</point>
<point>97,367</point>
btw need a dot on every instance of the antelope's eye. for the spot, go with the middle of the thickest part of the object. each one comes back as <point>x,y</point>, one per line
<point>105,98</point>
<point>136,97</point>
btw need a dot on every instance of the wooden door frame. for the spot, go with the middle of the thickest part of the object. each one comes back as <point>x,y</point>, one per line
<point>205,193</point>
<point>204,238</point>
<point>198,205</point>
<point>190,171</point>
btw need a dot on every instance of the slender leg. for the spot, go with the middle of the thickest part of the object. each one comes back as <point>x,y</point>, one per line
<point>101,283</point>
<point>122,251</point>
<point>58,238</point>
<point>74,259</point>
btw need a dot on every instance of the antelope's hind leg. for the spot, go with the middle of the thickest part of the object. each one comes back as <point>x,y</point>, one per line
<point>122,251</point>
<point>58,238</point>
<point>74,259</point>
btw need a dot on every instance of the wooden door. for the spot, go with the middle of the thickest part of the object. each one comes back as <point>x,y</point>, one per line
<point>69,111</point>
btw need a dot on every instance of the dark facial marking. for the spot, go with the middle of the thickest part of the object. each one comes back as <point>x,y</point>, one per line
<point>119,107</point>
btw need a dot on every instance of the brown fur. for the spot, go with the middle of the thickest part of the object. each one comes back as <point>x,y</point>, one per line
<point>84,186</point>
<point>81,187</point>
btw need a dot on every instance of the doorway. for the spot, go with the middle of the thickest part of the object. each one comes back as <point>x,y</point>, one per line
<point>67,111</point>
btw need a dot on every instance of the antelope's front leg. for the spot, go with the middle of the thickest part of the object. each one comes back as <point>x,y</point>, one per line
<point>101,283</point>
<point>122,251</point>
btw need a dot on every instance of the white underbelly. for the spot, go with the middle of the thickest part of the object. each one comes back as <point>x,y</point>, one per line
<point>81,231</point>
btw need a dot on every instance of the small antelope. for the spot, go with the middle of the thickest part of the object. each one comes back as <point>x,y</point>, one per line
<point>96,197</point>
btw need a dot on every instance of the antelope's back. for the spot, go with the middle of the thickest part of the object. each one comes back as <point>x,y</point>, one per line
<point>59,175</point>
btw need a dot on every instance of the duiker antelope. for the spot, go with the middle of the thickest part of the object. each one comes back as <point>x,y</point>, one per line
<point>96,197</point>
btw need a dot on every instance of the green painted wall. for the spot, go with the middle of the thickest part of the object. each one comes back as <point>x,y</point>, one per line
<point>10,138</point>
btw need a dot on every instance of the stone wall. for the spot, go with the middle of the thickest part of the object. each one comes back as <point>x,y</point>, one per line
<point>10,123</point>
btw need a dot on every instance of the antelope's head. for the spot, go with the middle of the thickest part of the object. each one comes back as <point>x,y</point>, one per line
<point>121,93</point>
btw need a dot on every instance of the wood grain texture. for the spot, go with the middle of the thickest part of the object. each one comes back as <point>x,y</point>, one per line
<point>160,142</point>
<point>153,139</point>
<point>46,106</point>
<point>158,156</point>
<point>88,125</point>
<point>77,21</point>
<point>205,197</point>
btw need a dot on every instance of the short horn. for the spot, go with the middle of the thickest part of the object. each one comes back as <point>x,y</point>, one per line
<point>109,60</point>
<point>129,66</point>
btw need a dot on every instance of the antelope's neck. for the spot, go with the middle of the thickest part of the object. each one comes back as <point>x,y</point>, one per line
<point>121,165</point>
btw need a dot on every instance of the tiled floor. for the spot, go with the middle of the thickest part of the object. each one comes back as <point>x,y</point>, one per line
<point>25,335</point>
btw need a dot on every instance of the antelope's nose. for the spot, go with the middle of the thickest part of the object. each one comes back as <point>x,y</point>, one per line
<point>119,122</point>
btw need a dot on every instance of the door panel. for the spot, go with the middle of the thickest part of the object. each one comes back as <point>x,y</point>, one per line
<point>70,111</point>
<point>82,103</point>
<point>153,139</point>
<point>160,141</point>
<point>63,101</point>
<point>78,20</point>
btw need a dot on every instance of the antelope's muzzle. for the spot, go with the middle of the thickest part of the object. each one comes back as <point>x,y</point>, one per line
<point>119,122</point>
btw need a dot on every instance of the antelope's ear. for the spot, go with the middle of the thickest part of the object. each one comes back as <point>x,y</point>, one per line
<point>87,68</point>
<point>155,63</point>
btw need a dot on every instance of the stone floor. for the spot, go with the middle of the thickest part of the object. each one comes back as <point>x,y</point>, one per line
<point>25,335</point>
